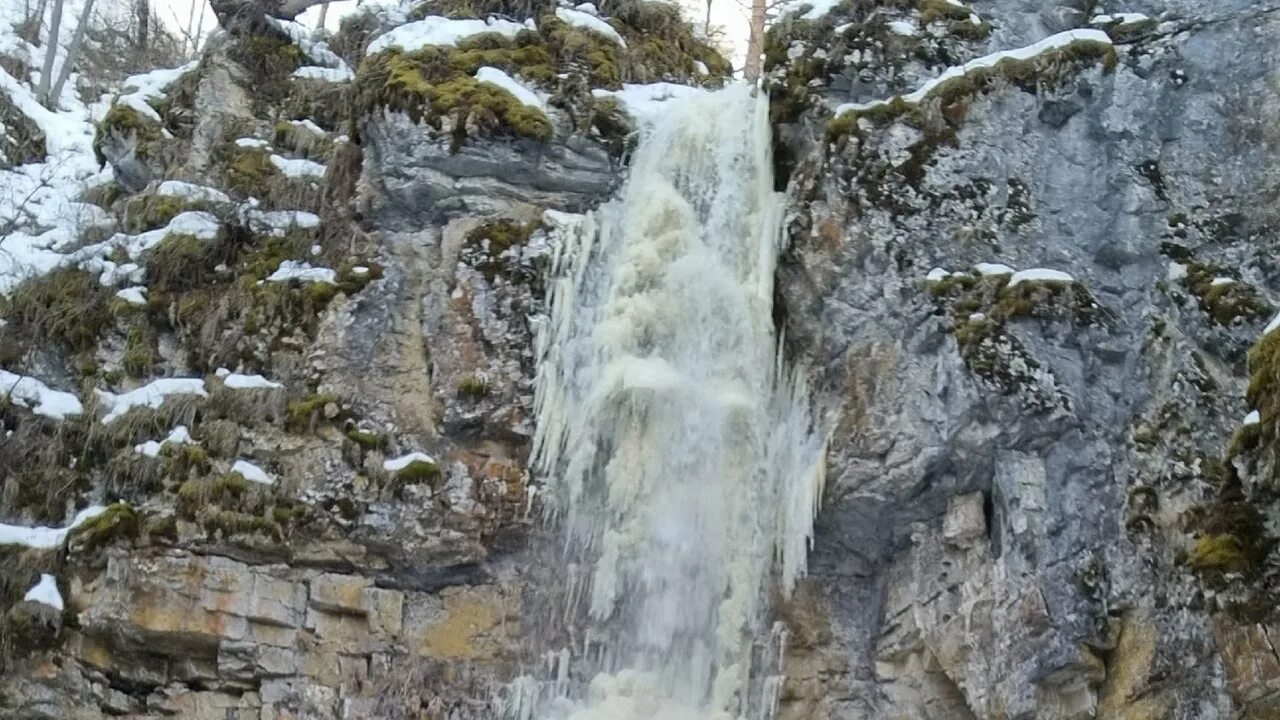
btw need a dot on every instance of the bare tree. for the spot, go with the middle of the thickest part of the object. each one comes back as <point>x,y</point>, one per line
<point>142,12</point>
<point>73,51</point>
<point>755,41</point>
<point>324,14</point>
<point>50,53</point>
<point>249,16</point>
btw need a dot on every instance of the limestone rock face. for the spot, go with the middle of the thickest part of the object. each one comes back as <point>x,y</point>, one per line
<point>1035,505</point>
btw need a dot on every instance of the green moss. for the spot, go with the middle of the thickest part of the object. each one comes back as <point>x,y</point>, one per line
<point>473,387</point>
<point>199,493</point>
<point>161,527</point>
<point>500,235</point>
<point>66,306</point>
<point>302,140</point>
<point>139,352</point>
<point>1218,552</point>
<point>117,522</point>
<point>418,472</point>
<point>433,86</point>
<point>148,212</point>
<point>303,415</point>
<point>1226,303</point>
<point>228,524</point>
<point>367,439</point>
<point>125,122</point>
<point>179,263</point>
<point>269,57</point>
<point>251,173</point>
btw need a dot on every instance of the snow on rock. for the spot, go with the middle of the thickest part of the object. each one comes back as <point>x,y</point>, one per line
<point>152,395</point>
<point>589,21</point>
<point>140,91</point>
<point>303,272</point>
<point>313,46</point>
<point>1039,275</point>
<point>133,295</point>
<point>1272,326</point>
<point>30,393</point>
<point>278,222</point>
<point>1053,42</point>
<point>523,93</point>
<point>937,274</point>
<point>252,142</point>
<point>993,269</point>
<point>902,27</point>
<point>1253,418</point>
<point>1221,281</point>
<point>333,75</point>
<point>404,461</point>
<point>198,224</point>
<point>437,30</point>
<point>190,191</point>
<point>645,102</point>
<point>44,538</point>
<point>298,167</point>
<point>1176,271</point>
<point>45,592</point>
<point>252,473</point>
<point>179,436</point>
<point>236,381</point>
<point>1118,18</point>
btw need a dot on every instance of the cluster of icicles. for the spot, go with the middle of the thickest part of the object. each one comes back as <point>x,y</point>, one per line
<point>680,458</point>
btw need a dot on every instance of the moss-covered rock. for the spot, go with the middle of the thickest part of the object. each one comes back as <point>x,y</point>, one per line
<point>119,522</point>
<point>125,122</point>
<point>67,306</point>
<point>1227,301</point>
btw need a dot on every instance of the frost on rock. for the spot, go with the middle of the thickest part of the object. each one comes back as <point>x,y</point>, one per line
<point>1039,275</point>
<point>152,396</point>
<point>236,381</point>
<point>252,473</point>
<point>44,538</point>
<point>45,592</point>
<point>523,93</point>
<point>298,167</point>
<point>191,191</point>
<point>437,30</point>
<point>404,461</point>
<point>1051,43</point>
<point>31,393</point>
<point>151,448</point>
<point>588,21</point>
<point>303,272</point>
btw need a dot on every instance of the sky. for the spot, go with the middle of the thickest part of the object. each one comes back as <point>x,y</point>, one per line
<point>730,14</point>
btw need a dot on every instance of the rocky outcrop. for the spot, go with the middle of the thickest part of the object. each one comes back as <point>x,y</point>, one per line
<point>1028,482</point>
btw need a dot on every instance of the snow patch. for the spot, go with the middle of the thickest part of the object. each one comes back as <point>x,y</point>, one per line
<point>437,30</point>
<point>298,167</point>
<point>179,436</point>
<point>1253,418</point>
<point>45,592</point>
<point>404,461</point>
<point>523,93</point>
<point>44,538</point>
<point>152,395</point>
<point>645,102</point>
<point>252,473</point>
<point>1039,275</point>
<point>30,393</point>
<point>902,27</point>
<point>133,295</point>
<point>333,75</point>
<point>993,269</point>
<point>190,191</point>
<point>1272,326</point>
<point>303,272</point>
<point>236,381</point>
<point>589,21</point>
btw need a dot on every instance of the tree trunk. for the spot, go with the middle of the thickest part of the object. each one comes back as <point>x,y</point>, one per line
<point>324,14</point>
<point>706,26</point>
<point>72,53</point>
<point>142,11</point>
<point>50,53</point>
<point>755,42</point>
